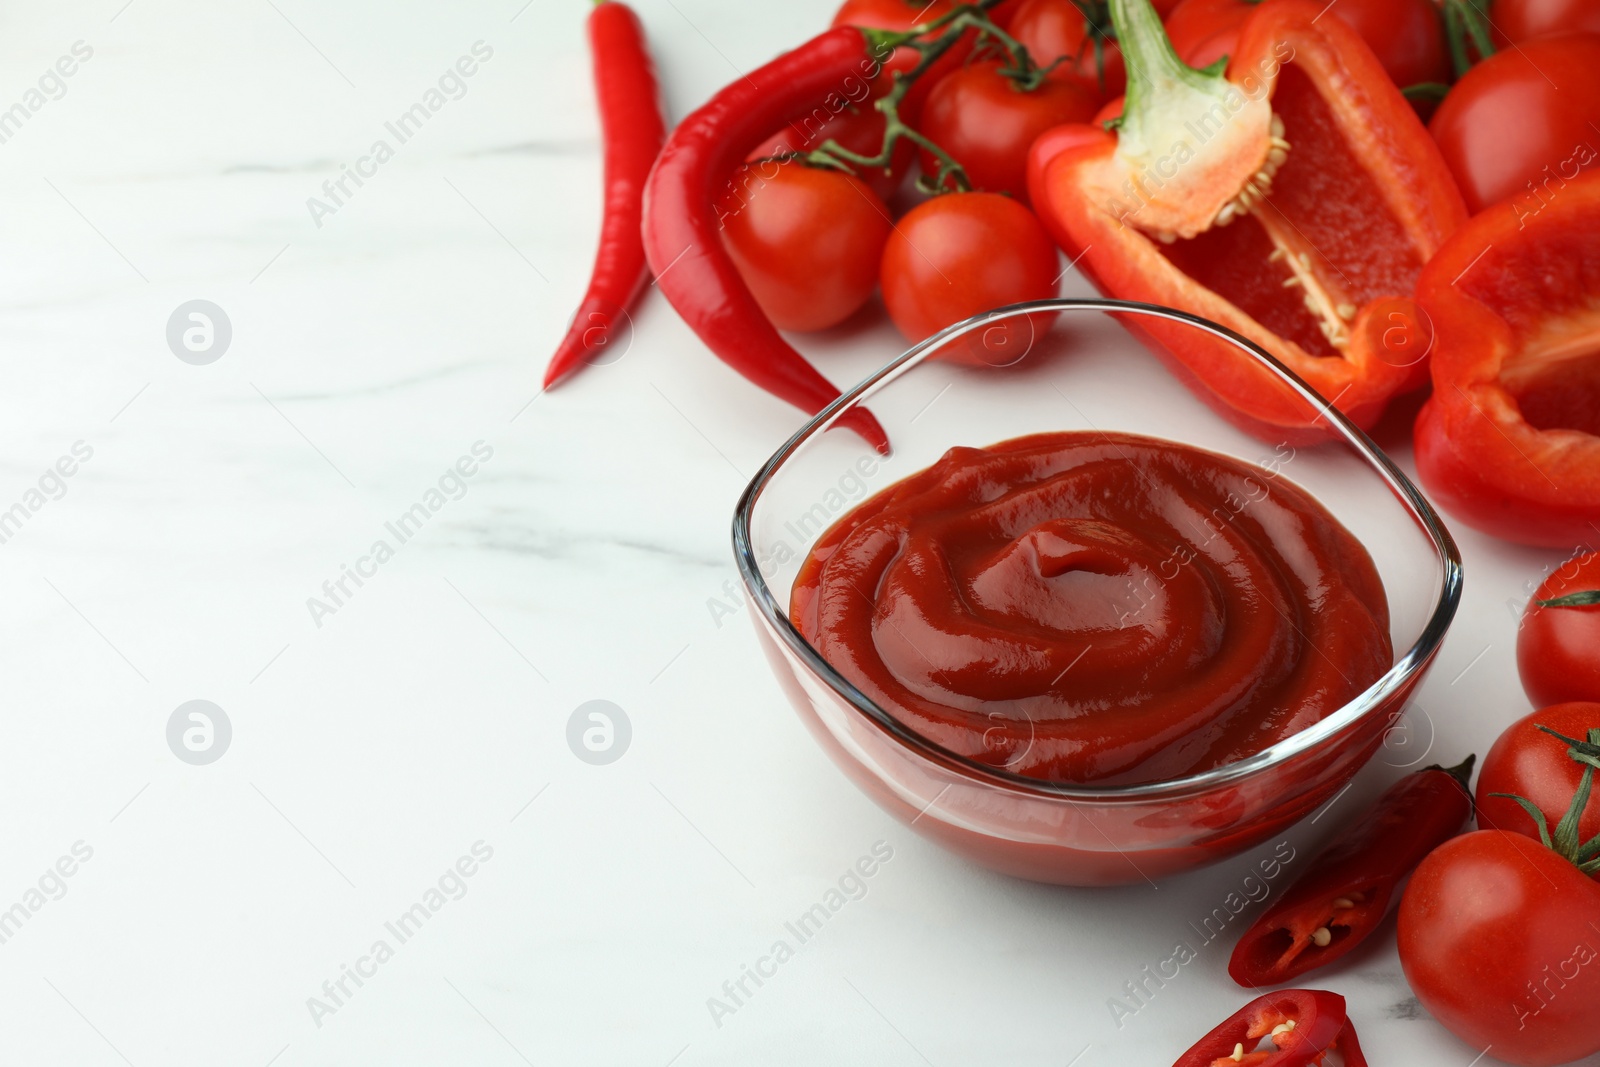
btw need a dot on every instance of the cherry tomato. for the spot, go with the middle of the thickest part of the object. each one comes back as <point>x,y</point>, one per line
<point>860,129</point>
<point>1530,763</point>
<point>805,240</point>
<point>1003,12</point>
<point>1195,21</point>
<point>1407,36</point>
<point>987,124</point>
<point>901,15</point>
<point>1052,29</point>
<point>1558,648</point>
<point>1497,941</point>
<point>1518,20</point>
<point>1513,123</point>
<point>960,254</point>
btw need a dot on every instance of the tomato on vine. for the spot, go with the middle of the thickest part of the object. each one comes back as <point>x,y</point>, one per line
<point>1518,124</point>
<point>1558,642</point>
<point>859,128</point>
<point>806,240</point>
<point>1498,937</point>
<point>1530,762</point>
<point>960,254</point>
<point>899,16</point>
<point>1063,36</point>
<point>1520,20</point>
<point>1202,31</point>
<point>986,118</point>
<point>1407,36</point>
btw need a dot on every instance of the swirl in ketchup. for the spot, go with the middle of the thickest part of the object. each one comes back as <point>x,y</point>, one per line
<point>1091,607</point>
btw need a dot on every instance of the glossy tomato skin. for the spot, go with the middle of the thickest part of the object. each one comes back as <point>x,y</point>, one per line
<point>1407,36</point>
<point>1003,12</point>
<point>1497,943</point>
<point>1558,649</point>
<point>987,124</point>
<point>806,241</point>
<point>1530,763</point>
<point>1194,21</point>
<point>1052,29</point>
<point>961,254</point>
<point>1520,20</point>
<point>1519,116</point>
<point>899,15</point>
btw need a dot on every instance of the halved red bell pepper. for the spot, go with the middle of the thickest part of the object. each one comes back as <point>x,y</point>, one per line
<point>1303,1025</point>
<point>1510,441</point>
<point>1292,200</point>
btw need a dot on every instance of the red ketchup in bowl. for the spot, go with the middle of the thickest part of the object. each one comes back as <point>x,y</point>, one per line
<point>1096,608</point>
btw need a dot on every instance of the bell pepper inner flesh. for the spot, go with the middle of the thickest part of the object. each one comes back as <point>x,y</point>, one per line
<point>1547,296</point>
<point>1321,246</point>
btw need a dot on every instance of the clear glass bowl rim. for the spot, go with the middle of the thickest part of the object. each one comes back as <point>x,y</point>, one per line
<point>1374,697</point>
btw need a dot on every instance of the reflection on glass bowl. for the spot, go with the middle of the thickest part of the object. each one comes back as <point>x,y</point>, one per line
<point>1082,376</point>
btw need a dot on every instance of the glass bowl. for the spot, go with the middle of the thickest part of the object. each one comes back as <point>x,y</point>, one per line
<point>1086,372</point>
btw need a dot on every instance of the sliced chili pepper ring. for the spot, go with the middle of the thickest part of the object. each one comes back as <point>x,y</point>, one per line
<point>1345,892</point>
<point>1302,1024</point>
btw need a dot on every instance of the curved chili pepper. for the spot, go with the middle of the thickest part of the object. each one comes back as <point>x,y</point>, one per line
<point>633,130</point>
<point>1304,1025</point>
<point>1345,893</point>
<point>681,238</point>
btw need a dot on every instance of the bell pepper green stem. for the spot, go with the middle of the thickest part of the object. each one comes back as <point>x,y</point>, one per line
<point>1158,81</point>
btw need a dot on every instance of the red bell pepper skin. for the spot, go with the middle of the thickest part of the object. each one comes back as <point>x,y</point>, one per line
<point>630,119</point>
<point>681,225</point>
<point>1346,891</point>
<point>1315,267</point>
<point>1046,147</point>
<point>1509,443</point>
<point>1304,1025</point>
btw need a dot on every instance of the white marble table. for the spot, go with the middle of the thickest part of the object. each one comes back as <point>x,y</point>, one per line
<point>418,720</point>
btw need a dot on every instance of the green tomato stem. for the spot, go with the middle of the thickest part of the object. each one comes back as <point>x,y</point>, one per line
<point>1564,842</point>
<point>1583,599</point>
<point>950,27</point>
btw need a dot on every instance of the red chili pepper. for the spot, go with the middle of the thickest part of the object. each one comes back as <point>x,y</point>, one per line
<point>681,238</point>
<point>1510,441</point>
<point>1294,200</point>
<point>630,119</point>
<point>1304,1025</point>
<point>1345,893</point>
